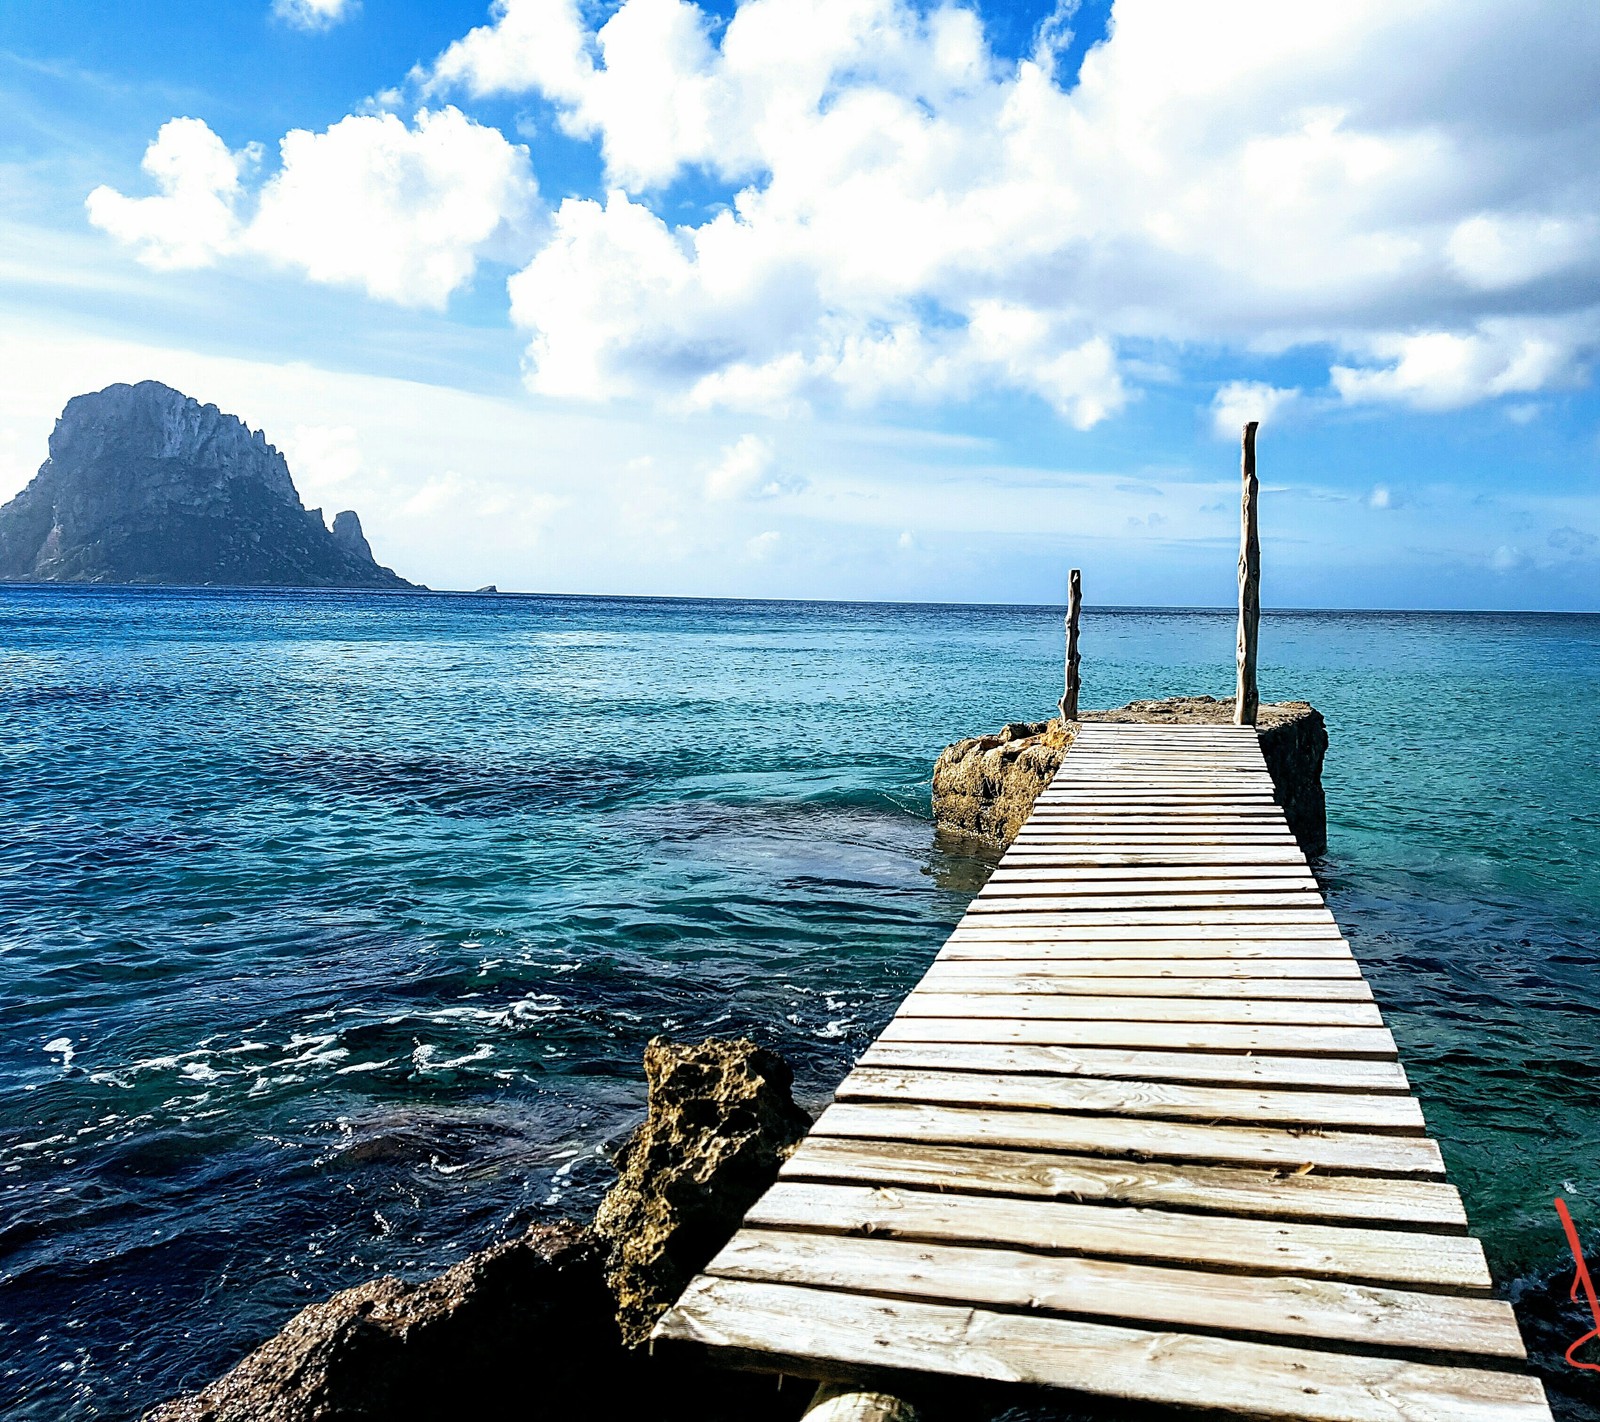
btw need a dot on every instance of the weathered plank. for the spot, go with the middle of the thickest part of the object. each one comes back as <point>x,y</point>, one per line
<point>1095,960</point>
<point>803,1326</point>
<point>1284,1306</point>
<point>1133,1098</point>
<point>1227,1068</point>
<point>1153,1137</point>
<point>1178,1036</point>
<point>1378,1256</point>
<point>1071,931</point>
<point>1085,1007</point>
<point>1021,871</point>
<point>1233,1190</point>
<point>1035,979</point>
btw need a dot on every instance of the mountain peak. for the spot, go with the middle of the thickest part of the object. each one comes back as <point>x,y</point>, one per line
<point>145,484</point>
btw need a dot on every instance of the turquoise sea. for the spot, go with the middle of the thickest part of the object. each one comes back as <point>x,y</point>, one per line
<point>332,925</point>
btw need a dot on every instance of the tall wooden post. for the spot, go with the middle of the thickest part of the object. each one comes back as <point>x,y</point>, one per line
<point>1069,698</point>
<point>1247,700</point>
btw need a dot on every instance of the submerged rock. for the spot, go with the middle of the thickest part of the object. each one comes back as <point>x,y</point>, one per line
<point>721,1121</point>
<point>985,786</point>
<point>455,1345</point>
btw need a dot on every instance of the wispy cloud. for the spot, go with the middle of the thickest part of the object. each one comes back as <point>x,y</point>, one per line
<point>314,15</point>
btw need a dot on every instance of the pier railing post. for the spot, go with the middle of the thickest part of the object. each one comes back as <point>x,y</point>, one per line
<point>1069,698</point>
<point>1247,700</point>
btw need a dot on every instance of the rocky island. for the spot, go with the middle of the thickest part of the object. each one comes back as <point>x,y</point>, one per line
<point>146,485</point>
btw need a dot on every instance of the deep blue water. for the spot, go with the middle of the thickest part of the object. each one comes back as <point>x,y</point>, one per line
<point>332,926</point>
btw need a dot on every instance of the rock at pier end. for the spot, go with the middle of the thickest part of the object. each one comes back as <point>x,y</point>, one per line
<point>984,787</point>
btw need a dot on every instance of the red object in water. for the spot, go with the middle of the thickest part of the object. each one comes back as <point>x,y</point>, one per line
<point>1580,1280</point>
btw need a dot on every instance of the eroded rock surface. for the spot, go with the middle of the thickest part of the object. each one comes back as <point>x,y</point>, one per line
<point>985,786</point>
<point>721,1121</point>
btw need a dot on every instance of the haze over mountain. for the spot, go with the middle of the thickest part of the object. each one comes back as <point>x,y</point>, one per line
<point>146,485</point>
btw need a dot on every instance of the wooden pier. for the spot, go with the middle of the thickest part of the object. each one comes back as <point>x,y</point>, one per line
<point>1140,1133</point>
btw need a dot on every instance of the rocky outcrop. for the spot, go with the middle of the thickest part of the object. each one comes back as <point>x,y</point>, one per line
<point>984,787</point>
<point>145,485</point>
<point>348,535</point>
<point>454,1346</point>
<point>721,1121</point>
<point>535,1327</point>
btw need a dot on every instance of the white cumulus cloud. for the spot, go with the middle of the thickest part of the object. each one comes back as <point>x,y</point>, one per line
<point>192,218</point>
<point>1240,401</point>
<point>898,213</point>
<point>916,218</point>
<point>404,211</point>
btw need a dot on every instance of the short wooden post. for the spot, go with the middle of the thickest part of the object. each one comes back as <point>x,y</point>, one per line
<point>1069,698</point>
<point>839,1402</point>
<point>1246,699</point>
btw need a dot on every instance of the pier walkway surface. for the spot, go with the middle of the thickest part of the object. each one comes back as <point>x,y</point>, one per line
<point>1139,1133</point>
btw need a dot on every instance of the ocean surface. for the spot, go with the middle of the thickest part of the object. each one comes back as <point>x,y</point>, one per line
<point>332,926</point>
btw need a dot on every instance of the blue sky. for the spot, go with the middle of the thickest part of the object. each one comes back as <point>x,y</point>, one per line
<point>843,298</point>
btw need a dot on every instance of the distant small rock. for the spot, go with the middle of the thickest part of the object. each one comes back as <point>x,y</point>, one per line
<point>145,485</point>
<point>487,588</point>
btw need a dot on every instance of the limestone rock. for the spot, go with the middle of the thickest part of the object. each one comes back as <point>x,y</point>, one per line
<point>456,1345</point>
<point>145,485</point>
<point>348,535</point>
<point>721,1121</point>
<point>984,787</point>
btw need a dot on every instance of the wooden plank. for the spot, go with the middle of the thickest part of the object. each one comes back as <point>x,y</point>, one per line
<point>1030,1092</point>
<point>1196,972</point>
<point>1308,910</point>
<point>1256,799</point>
<point>1001,945</point>
<point>818,1330</point>
<point>1037,980</point>
<point>1226,1068</point>
<point>1271,1307</point>
<point>1191,940</point>
<point>1022,872</point>
<point>1035,1175</point>
<point>1147,838</point>
<point>1045,913</point>
<point>1094,797</point>
<point>1113,813</point>
<point>1151,1138</point>
<point>1091,1007</point>
<point>1162,1036</point>
<point>1076,930</point>
<point>1374,1256</point>
<point>1277,891</point>
<point>1010,901</point>
<point>1161,880</point>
